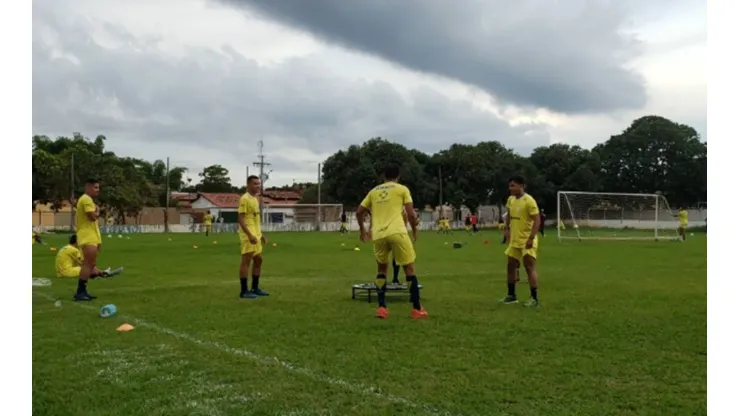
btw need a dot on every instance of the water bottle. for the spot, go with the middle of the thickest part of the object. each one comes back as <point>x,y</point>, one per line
<point>108,310</point>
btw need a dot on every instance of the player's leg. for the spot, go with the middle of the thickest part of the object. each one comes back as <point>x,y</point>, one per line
<point>256,272</point>
<point>396,270</point>
<point>512,265</point>
<point>90,257</point>
<point>382,252</point>
<point>247,251</point>
<point>530,265</point>
<point>405,255</point>
<point>542,230</point>
<point>682,232</point>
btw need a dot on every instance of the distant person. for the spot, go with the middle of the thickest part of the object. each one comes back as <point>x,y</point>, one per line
<point>343,226</point>
<point>474,223</point>
<point>208,222</point>
<point>467,223</point>
<point>444,226</point>
<point>68,262</point>
<point>36,238</point>
<point>542,222</point>
<point>683,221</point>
<point>88,236</point>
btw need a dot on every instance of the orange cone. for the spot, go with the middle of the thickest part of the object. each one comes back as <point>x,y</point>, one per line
<point>125,328</point>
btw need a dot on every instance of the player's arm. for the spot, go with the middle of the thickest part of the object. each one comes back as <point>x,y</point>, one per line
<point>361,213</point>
<point>534,215</point>
<point>91,210</point>
<point>242,218</point>
<point>408,206</point>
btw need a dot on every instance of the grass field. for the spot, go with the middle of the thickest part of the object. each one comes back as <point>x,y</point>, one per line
<point>621,331</point>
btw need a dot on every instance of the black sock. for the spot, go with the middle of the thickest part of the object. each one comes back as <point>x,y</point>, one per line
<point>81,286</point>
<point>512,289</point>
<point>255,282</point>
<point>380,284</point>
<point>533,292</point>
<point>414,291</point>
<point>396,269</point>
<point>243,283</point>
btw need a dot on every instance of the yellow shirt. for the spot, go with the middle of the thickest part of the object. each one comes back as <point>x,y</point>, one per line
<point>386,204</point>
<point>522,212</point>
<point>683,217</point>
<point>208,219</point>
<point>88,232</point>
<point>250,207</point>
<point>68,257</point>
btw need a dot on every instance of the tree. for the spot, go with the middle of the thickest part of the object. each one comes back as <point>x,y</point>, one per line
<point>214,178</point>
<point>655,154</point>
<point>564,167</point>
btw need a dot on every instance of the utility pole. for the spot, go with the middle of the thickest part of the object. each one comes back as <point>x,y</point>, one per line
<point>318,209</point>
<point>261,164</point>
<point>441,200</point>
<point>167,199</point>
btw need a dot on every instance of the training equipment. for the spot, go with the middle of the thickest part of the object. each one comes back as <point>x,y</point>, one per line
<point>108,310</point>
<point>125,328</point>
<point>195,246</point>
<point>614,216</point>
<point>53,249</point>
<point>357,249</point>
<point>370,288</point>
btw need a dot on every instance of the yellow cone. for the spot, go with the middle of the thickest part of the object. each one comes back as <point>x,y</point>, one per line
<point>215,242</point>
<point>195,246</point>
<point>53,249</point>
<point>274,244</point>
<point>125,328</point>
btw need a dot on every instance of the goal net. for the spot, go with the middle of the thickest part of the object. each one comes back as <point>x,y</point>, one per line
<point>301,217</point>
<point>614,216</point>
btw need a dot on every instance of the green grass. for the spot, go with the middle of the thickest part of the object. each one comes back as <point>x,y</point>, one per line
<point>621,331</point>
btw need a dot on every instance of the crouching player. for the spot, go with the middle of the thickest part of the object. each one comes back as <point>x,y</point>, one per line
<point>68,263</point>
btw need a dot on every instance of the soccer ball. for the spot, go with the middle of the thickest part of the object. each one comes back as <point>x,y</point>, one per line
<point>575,225</point>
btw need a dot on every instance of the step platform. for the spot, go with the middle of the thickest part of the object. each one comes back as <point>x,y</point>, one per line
<point>371,290</point>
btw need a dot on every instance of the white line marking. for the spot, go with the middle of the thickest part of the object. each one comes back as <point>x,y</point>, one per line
<point>355,388</point>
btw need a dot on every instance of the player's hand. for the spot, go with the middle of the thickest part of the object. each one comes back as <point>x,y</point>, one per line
<point>264,240</point>
<point>530,242</point>
<point>414,235</point>
<point>252,239</point>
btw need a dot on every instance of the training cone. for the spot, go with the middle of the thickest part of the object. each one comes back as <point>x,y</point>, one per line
<point>215,242</point>
<point>274,244</point>
<point>125,328</point>
<point>357,249</point>
<point>486,242</point>
<point>53,249</point>
<point>195,246</point>
<point>342,244</point>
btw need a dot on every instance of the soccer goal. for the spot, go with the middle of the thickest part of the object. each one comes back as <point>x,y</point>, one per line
<point>301,217</point>
<point>614,216</point>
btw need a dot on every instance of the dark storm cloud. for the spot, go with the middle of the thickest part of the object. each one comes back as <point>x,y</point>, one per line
<point>222,101</point>
<point>569,55</point>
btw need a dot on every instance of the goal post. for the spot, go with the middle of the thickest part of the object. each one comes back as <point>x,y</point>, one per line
<point>614,216</point>
<point>301,217</point>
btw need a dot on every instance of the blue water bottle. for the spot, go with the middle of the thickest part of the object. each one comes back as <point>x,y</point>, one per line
<point>108,310</point>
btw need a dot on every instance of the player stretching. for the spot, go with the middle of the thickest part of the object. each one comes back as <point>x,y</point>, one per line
<point>88,236</point>
<point>386,203</point>
<point>522,224</point>
<point>683,218</point>
<point>69,260</point>
<point>252,239</point>
<point>208,222</point>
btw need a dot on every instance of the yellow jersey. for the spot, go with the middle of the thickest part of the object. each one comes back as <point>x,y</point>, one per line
<point>386,205</point>
<point>208,219</point>
<point>683,217</point>
<point>250,207</point>
<point>522,212</point>
<point>68,257</point>
<point>88,232</point>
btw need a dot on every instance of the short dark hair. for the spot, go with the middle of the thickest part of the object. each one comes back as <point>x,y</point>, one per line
<point>91,181</point>
<point>73,239</point>
<point>517,179</point>
<point>252,177</point>
<point>391,171</point>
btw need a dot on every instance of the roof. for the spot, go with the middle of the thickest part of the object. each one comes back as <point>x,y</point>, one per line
<point>224,200</point>
<point>279,194</point>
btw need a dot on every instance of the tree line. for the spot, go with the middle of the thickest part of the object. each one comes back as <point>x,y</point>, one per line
<point>653,154</point>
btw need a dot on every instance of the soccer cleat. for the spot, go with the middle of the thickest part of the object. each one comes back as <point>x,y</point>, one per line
<point>532,303</point>
<point>83,297</point>
<point>260,292</point>
<point>248,295</point>
<point>110,273</point>
<point>419,313</point>
<point>508,300</point>
<point>382,313</point>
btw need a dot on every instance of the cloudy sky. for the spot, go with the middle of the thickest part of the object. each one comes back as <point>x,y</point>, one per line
<point>202,81</point>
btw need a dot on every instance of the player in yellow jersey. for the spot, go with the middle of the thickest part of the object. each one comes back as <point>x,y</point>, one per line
<point>522,225</point>
<point>683,221</point>
<point>68,262</point>
<point>88,236</point>
<point>386,204</point>
<point>208,222</point>
<point>252,239</point>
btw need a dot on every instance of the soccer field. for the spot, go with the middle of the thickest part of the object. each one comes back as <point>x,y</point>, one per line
<point>621,331</point>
